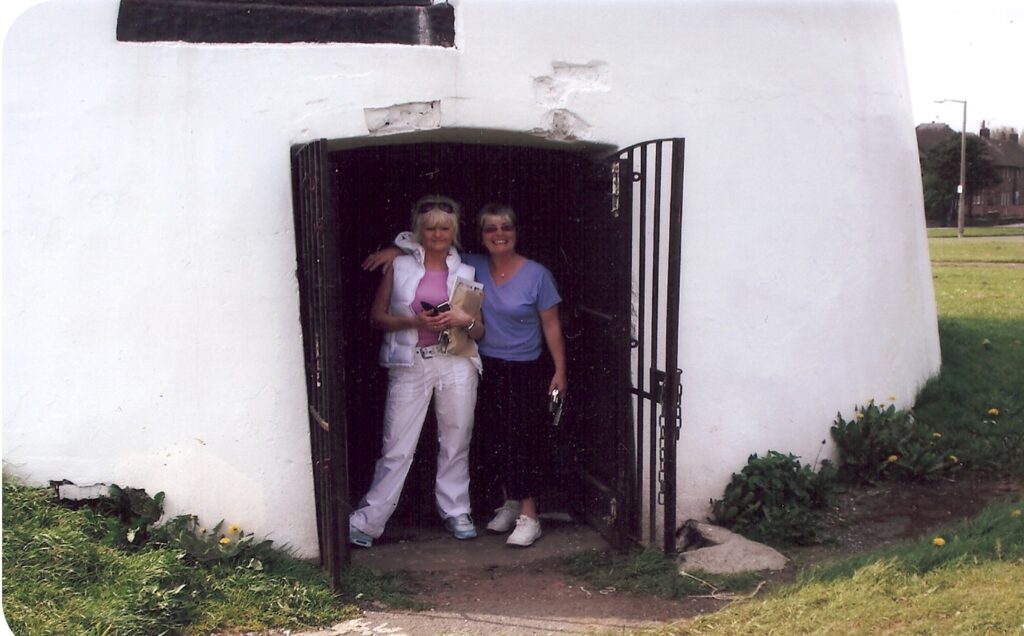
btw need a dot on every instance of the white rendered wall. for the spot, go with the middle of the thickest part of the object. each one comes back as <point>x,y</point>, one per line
<point>151,330</point>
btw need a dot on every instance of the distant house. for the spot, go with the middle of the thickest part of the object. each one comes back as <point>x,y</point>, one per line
<point>1002,202</point>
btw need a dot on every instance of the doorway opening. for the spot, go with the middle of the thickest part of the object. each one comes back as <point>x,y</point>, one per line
<point>605,222</point>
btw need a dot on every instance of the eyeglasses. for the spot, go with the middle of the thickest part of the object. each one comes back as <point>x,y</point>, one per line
<point>504,227</point>
<point>427,206</point>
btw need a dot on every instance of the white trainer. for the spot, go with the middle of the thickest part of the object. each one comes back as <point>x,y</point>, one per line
<point>527,531</point>
<point>504,517</point>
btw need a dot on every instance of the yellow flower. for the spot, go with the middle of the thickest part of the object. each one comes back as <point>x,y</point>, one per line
<point>993,411</point>
<point>860,415</point>
<point>938,542</point>
<point>225,540</point>
<point>1015,514</point>
<point>892,398</point>
<point>234,529</point>
<point>893,458</point>
<point>953,459</point>
<point>936,435</point>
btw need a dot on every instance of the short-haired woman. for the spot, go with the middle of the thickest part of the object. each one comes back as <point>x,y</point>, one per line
<point>516,437</point>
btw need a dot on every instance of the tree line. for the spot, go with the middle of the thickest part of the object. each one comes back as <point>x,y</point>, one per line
<point>940,176</point>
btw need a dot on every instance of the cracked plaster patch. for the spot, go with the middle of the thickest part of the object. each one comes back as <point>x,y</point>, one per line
<point>556,91</point>
<point>566,80</point>
<point>403,117</point>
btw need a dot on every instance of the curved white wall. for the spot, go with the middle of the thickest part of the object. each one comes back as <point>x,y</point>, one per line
<point>151,332</point>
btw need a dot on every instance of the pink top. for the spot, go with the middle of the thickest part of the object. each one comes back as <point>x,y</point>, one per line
<point>433,288</point>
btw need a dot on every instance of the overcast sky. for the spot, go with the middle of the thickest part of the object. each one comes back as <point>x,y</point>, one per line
<point>955,49</point>
<point>968,50</point>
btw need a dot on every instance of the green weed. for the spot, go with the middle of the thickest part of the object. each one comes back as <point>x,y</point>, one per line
<point>773,499</point>
<point>880,442</point>
<point>63,574</point>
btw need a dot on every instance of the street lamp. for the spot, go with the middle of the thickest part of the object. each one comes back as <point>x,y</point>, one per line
<point>962,189</point>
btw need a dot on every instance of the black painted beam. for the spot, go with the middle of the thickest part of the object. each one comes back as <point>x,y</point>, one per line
<point>280,21</point>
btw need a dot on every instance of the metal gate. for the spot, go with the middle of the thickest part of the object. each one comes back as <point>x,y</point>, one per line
<point>628,346</point>
<point>317,243</point>
<point>650,180</point>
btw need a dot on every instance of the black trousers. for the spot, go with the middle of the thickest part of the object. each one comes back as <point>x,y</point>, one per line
<point>513,438</point>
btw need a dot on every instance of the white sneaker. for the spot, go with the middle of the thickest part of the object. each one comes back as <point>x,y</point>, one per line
<point>504,517</point>
<point>527,531</point>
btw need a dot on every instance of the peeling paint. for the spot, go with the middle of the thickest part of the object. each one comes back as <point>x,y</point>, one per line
<point>567,79</point>
<point>403,117</point>
<point>563,125</point>
<point>555,92</point>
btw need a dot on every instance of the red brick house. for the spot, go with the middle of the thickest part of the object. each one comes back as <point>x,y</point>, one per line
<point>1004,201</point>
<point>999,203</point>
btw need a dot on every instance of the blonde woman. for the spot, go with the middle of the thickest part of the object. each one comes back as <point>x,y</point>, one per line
<point>405,309</point>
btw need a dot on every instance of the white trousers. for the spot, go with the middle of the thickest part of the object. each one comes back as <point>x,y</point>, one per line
<point>452,381</point>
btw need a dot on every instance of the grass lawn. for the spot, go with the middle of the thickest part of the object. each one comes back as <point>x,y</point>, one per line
<point>972,582</point>
<point>977,402</point>
<point>950,232</point>
<point>977,250</point>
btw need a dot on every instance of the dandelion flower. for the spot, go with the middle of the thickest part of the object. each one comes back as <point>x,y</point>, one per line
<point>860,415</point>
<point>993,411</point>
<point>938,542</point>
<point>225,540</point>
<point>953,459</point>
<point>234,529</point>
<point>936,435</point>
<point>893,458</point>
<point>1015,514</point>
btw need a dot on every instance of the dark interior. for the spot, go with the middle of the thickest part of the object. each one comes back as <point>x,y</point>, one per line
<point>552,189</point>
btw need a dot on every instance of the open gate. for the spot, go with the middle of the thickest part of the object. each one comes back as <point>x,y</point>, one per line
<point>317,228</point>
<point>625,401</point>
<point>626,353</point>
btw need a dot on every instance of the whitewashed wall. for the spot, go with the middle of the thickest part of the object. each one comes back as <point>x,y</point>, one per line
<point>151,331</point>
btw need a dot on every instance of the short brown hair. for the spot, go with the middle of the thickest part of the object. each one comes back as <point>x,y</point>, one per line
<point>496,209</point>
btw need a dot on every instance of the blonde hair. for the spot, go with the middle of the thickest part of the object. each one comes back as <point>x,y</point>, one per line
<point>435,216</point>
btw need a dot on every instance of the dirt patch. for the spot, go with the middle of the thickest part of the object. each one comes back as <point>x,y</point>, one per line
<point>541,598</point>
<point>874,517</point>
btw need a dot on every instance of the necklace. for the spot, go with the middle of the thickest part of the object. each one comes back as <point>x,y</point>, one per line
<point>498,272</point>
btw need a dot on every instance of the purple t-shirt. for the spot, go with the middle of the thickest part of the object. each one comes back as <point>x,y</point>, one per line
<point>512,309</point>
